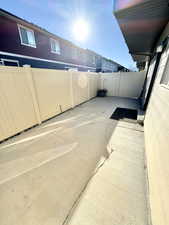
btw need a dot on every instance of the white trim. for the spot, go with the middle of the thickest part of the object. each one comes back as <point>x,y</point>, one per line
<point>9,60</point>
<point>57,41</point>
<point>22,43</point>
<point>44,60</point>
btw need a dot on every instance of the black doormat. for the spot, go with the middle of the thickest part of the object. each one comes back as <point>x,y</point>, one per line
<point>129,115</point>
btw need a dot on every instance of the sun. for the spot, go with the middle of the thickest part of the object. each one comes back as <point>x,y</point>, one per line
<point>81,30</point>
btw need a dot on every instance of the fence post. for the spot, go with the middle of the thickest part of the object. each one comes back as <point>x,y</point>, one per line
<point>71,89</point>
<point>32,88</point>
<point>88,83</point>
<point>119,87</point>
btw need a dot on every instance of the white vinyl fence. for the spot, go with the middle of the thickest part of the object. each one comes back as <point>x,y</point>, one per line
<point>123,84</point>
<point>29,96</point>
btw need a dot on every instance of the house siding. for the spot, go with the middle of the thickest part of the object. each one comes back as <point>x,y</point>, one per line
<point>10,42</point>
<point>42,64</point>
<point>157,146</point>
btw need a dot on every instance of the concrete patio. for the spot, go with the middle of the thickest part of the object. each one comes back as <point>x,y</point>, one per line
<point>79,168</point>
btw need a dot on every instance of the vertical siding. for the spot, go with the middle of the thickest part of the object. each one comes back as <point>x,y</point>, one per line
<point>157,147</point>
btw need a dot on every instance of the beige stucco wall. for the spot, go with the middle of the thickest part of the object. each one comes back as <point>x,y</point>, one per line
<point>124,84</point>
<point>157,146</point>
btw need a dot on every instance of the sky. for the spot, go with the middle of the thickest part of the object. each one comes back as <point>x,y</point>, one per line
<point>59,17</point>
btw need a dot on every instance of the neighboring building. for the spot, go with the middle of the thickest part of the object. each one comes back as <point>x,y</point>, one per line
<point>23,43</point>
<point>108,65</point>
<point>105,65</point>
<point>95,59</point>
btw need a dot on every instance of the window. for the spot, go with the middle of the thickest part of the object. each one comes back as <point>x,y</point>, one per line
<point>55,47</point>
<point>27,36</point>
<point>9,62</point>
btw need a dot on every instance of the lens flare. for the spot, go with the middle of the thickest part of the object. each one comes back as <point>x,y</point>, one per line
<point>81,30</point>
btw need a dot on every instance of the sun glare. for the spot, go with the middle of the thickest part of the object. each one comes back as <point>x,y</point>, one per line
<point>81,30</point>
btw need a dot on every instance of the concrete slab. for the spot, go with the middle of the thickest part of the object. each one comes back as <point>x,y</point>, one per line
<point>44,171</point>
<point>116,195</point>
